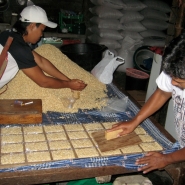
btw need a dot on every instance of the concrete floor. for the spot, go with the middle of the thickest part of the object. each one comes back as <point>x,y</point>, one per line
<point>156,177</point>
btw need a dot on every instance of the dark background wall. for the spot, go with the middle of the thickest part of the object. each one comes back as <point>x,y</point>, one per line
<point>52,8</point>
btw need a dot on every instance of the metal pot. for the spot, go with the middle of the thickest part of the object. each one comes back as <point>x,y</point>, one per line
<point>86,55</point>
<point>143,58</point>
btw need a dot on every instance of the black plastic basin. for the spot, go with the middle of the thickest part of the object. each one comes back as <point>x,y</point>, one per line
<point>86,55</point>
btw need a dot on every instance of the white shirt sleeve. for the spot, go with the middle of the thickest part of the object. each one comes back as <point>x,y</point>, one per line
<point>164,82</point>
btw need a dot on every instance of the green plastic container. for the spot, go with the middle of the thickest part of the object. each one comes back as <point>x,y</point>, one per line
<point>91,181</point>
<point>70,21</point>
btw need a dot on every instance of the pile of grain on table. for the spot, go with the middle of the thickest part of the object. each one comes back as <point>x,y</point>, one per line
<point>22,87</point>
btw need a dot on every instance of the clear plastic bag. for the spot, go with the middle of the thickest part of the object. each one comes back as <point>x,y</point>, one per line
<point>115,105</point>
<point>68,102</point>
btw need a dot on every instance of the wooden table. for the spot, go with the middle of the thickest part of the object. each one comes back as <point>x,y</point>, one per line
<point>176,171</point>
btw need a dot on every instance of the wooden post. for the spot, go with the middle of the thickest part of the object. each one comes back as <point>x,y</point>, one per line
<point>180,19</point>
<point>176,20</point>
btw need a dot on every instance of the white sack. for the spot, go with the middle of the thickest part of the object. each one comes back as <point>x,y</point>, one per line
<point>117,4</point>
<point>154,24</point>
<point>110,43</point>
<point>131,16</point>
<point>127,51</point>
<point>133,26</point>
<point>158,42</point>
<point>107,23</point>
<point>154,14</point>
<point>132,34</point>
<point>152,33</point>
<point>133,5</point>
<point>158,5</point>
<point>106,12</point>
<point>106,33</point>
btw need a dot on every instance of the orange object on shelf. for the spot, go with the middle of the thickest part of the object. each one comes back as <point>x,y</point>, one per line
<point>71,41</point>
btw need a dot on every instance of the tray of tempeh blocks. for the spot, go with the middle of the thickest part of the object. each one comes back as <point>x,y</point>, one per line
<point>23,145</point>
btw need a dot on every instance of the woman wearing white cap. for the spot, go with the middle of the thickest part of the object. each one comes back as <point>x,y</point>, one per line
<point>28,30</point>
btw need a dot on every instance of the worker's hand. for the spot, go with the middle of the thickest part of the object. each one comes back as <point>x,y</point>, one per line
<point>76,84</point>
<point>127,127</point>
<point>152,161</point>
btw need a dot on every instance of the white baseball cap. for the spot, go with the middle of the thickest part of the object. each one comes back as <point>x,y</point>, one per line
<point>37,15</point>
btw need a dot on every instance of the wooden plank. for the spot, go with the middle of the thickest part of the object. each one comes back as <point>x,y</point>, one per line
<point>108,145</point>
<point>11,113</point>
<point>58,174</point>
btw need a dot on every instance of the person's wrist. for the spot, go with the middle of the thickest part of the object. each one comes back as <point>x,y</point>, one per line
<point>66,83</point>
<point>136,122</point>
<point>167,159</point>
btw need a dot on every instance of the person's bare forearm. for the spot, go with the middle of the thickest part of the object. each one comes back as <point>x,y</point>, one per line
<point>54,83</point>
<point>48,67</point>
<point>154,103</point>
<point>37,75</point>
<point>174,157</point>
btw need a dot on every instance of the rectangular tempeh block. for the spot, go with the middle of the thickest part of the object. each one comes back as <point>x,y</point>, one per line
<point>112,134</point>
